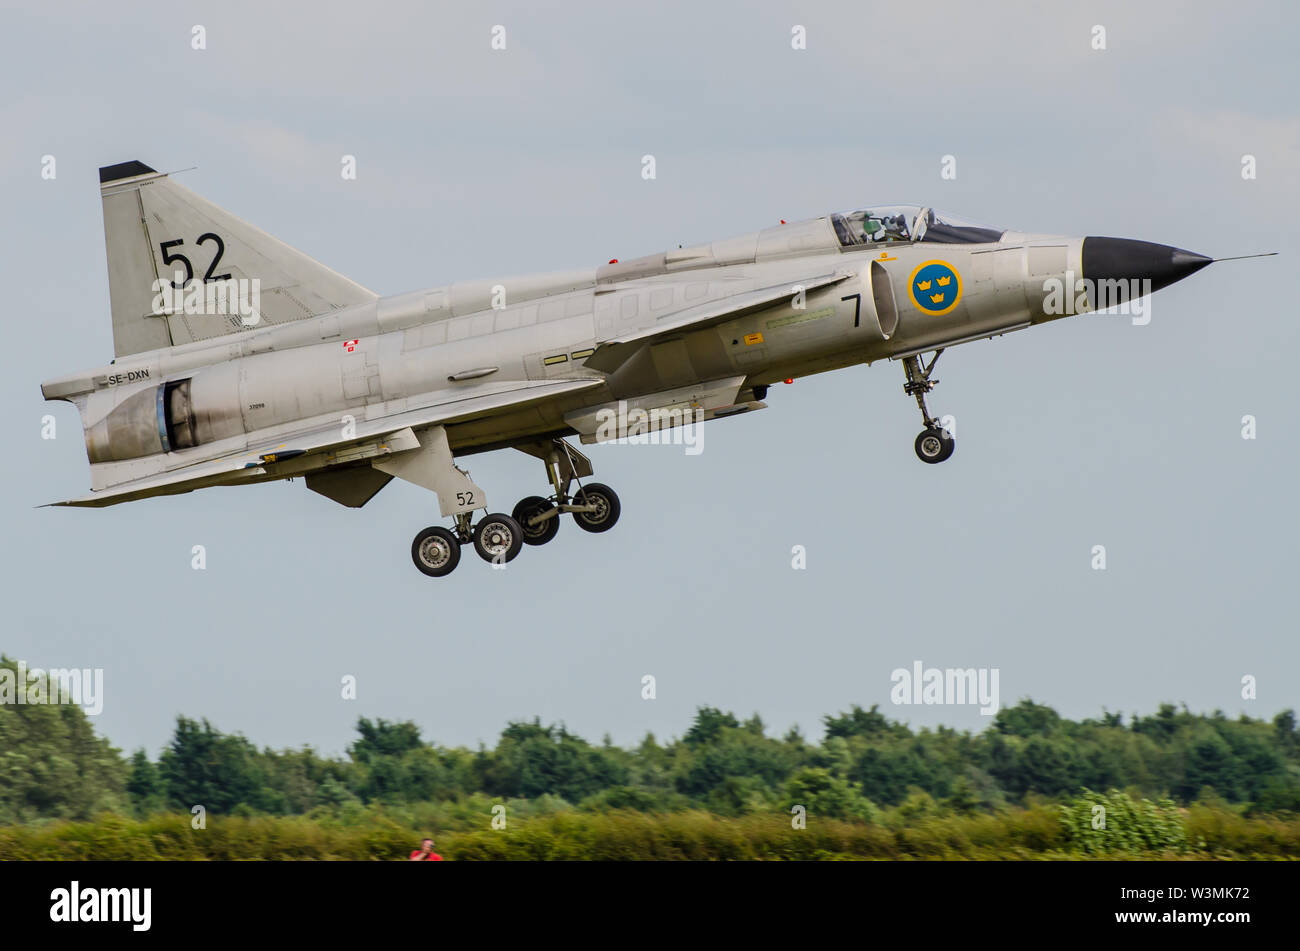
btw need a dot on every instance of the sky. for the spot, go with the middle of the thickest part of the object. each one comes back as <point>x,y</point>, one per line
<point>474,162</point>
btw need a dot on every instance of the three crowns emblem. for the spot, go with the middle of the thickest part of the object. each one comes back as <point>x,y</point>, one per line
<point>940,292</point>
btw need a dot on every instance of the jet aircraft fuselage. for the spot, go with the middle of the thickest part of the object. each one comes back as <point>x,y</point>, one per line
<point>350,389</point>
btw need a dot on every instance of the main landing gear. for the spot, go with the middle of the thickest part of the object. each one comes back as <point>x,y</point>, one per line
<point>594,507</point>
<point>498,538</point>
<point>934,444</point>
<point>436,552</point>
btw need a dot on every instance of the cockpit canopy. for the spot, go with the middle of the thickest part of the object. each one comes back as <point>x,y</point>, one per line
<point>881,224</point>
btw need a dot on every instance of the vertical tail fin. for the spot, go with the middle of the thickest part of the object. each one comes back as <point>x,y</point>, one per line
<point>156,230</point>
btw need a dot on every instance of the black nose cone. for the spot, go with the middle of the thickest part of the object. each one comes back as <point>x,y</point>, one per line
<point>1123,259</point>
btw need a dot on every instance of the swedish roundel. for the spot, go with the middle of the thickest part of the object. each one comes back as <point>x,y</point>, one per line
<point>935,288</point>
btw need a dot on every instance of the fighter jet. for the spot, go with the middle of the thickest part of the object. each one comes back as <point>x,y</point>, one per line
<point>239,359</point>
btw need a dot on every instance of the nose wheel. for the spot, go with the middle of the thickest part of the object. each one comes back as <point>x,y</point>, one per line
<point>934,444</point>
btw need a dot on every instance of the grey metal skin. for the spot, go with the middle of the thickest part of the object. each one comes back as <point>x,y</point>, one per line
<point>372,387</point>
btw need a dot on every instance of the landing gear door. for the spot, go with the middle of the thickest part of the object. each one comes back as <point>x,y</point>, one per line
<point>431,467</point>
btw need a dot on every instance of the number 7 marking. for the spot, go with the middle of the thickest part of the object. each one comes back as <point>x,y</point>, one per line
<point>857,307</point>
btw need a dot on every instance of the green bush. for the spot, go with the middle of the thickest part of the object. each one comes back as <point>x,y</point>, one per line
<point>556,832</point>
<point>1099,824</point>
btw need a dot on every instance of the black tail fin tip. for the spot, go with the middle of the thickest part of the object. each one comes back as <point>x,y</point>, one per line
<point>111,173</point>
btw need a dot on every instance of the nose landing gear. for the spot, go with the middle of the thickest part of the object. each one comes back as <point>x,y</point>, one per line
<point>934,444</point>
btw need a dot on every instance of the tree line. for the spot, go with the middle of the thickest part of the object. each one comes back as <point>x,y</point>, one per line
<point>53,766</point>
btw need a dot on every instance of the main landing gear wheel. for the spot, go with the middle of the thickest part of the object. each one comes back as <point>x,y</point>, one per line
<point>498,538</point>
<point>436,552</point>
<point>606,511</point>
<point>934,445</point>
<point>542,532</point>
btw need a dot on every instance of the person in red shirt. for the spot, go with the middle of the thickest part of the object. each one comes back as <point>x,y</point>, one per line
<point>425,853</point>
